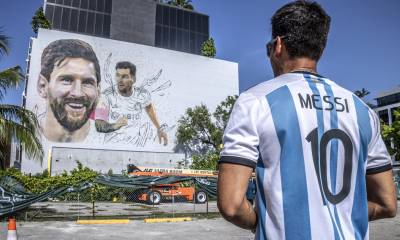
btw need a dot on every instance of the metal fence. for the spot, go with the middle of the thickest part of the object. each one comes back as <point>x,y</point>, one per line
<point>101,201</point>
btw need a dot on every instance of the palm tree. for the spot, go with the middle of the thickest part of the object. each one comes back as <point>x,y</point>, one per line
<point>16,122</point>
<point>361,93</point>
<point>182,3</point>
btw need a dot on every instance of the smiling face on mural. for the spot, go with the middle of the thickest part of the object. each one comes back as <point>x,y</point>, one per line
<point>72,92</point>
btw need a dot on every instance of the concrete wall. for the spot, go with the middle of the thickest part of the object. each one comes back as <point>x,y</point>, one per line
<point>134,21</point>
<point>103,160</point>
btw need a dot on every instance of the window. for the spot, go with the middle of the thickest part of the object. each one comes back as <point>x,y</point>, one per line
<point>90,23</point>
<point>179,19</point>
<point>159,15</point>
<point>76,3</point>
<point>59,2</point>
<point>106,25</point>
<point>57,17</point>
<point>172,38</point>
<point>73,24</point>
<point>68,2</point>
<point>99,24</point>
<point>165,16</point>
<point>384,116</point>
<point>92,5</point>
<point>108,6</point>
<point>192,21</point>
<point>186,19</point>
<point>66,15</point>
<point>82,21</point>
<point>172,17</point>
<point>165,37</point>
<point>49,12</point>
<point>100,5</point>
<point>158,35</point>
<point>180,29</point>
<point>84,4</point>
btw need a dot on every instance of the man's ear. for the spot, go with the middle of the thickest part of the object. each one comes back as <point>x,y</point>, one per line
<point>278,47</point>
<point>42,86</point>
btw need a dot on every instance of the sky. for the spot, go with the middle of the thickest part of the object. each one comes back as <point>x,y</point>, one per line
<point>362,51</point>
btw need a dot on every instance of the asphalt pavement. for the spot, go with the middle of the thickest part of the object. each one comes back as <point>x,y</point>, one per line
<point>202,229</point>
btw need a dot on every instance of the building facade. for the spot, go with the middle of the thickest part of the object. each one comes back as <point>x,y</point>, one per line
<point>145,22</point>
<point>387,103</point>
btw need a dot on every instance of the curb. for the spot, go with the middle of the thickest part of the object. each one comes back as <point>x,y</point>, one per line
<point>161,220</point>
<point>109,221</point>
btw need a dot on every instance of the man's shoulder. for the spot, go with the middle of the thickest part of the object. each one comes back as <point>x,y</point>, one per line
<point>264,88</point>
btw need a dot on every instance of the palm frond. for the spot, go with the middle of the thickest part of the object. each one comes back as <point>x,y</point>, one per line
<point>4,43</point>
<point>22,124</point>
<point>10,78</point>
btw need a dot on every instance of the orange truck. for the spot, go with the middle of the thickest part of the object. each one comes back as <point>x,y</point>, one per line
<point>175,191</point>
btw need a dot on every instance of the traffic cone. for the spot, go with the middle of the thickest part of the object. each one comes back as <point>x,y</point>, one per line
<point>12,229</point>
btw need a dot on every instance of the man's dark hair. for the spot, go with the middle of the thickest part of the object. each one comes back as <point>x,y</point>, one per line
<point>56,52</point>
<point>127,65</point>
<point>304,26</point>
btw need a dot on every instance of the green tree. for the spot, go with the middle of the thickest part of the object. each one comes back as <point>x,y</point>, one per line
<point>181,3</point>
<point>200,132</point>
<point>16,122</point>
<point>39,20</point>
<point>208,48</point>
<point>391,135</point>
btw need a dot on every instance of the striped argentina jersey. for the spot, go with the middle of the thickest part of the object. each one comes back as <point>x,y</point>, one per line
<point>311,142</point>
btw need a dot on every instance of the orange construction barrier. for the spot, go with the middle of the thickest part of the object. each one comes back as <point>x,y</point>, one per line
<point>12,229</point>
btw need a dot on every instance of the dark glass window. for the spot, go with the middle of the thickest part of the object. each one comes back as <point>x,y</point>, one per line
<point>192,42</point>
<point>99,24</point>
<point>165,37</point>
<point>49,12</point>
<point>92,5</point>
<point>60,2</point>
<point>106,25</point>
<point>50,1</point>
<point>384,116</point>
<point>159,14</point>
<point>158,35</point>
<point>192,21</point>
<point>198,23</point>
<point>205,25</point>
<point>186,19</point>
<point>185,40</point>
<point>76,3</point>
<point>65,18</point>
<point>84,4</point>
<point>172,37</point>
<point>108,6</point>
<point>100,5</point>
<point>57,17</point>
<point>82,21</point>
<point>73,24</point>
<point>166,15</point>
<point>172,17</point>
<point>179,36</point>
<point>68,2</point>
<point>179,18</point>
<point>90,23</point>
